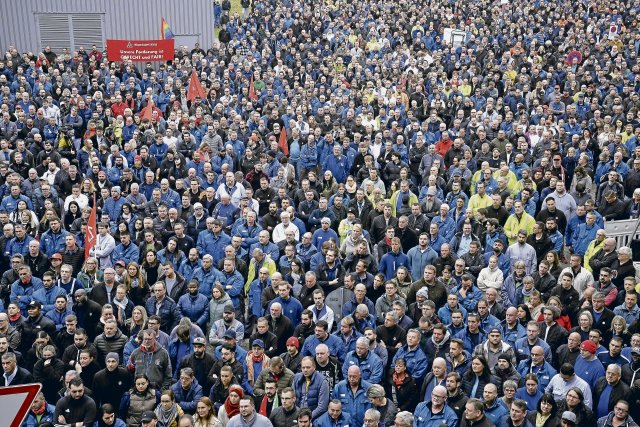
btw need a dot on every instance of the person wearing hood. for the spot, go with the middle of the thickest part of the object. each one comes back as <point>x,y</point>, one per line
<point>494,347</point>
<point>438,344</point>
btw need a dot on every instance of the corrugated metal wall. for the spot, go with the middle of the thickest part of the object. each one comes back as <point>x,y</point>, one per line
<point>123,19</point>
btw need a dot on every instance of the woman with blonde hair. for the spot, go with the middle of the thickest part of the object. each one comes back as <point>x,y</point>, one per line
<point>138,320</point>
<point>135,280</point>
<point>205,415</point>
<point>90,273</point>
<point>585,322</point>
<point>88,189</point>
<point>49,214</point>
<point>618,329</point>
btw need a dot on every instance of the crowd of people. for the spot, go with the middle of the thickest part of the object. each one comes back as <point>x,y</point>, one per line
<point>361,223</point>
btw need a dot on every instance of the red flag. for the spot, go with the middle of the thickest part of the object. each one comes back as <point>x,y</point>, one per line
<point>195,88</point>
<point>92,231</point>
<point>252,92</point>
<point>282,142</point>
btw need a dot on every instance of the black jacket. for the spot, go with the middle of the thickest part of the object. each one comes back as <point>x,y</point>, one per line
<point>88,316</point>
<point>282,418</point>
<point>484,422</point>
<point>179,288</point>
<point>605,320</point>
<point>406,395</point>
<point>565,355</point>
<point>110,386</point>
<point>457,402</point>
<point>50,376</point>
<point>282,328</point>
<point>39,264</point>
<point>270,343</point>
<point>30,328</point>
<point>620,391</point>
<point>100,294</point>
<point>551,421</point>
<point>22,377</point>
<point>602,259</point>
<point>556,336</point>
<point>201,369</point>
<point>76,410</point>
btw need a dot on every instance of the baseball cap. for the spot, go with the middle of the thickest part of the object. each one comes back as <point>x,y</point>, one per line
<point>199,341</point>
<point>589,346</point>
<point>635,350</point>
<point>258,343</point>
<point>148,416</point>
<point>569,416</point>
<point>34,304</point>
<point>230,333</point>
<point>228,308</point>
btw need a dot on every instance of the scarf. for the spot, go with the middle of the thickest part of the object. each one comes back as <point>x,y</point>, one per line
<point>257,359</point>
<point>398,380</point>
<point>264,403</point>
<point>40,411</point>
<point>122,305</point>
<point>167,417</point>
<point>15,317</point>
<point>230,408</point>
<point>541,419</point>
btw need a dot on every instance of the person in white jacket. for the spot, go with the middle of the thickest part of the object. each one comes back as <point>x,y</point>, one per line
<point>105,244</point>
<point>490,276</point>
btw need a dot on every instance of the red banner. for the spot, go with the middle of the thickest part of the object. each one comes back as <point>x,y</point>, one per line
<point>140,50</point>
<point>91,235</point>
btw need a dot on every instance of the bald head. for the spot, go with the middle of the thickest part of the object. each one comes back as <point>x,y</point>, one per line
<point>439,362</point>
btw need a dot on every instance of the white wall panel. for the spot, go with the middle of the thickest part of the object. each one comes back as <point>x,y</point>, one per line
<point>123,19</point>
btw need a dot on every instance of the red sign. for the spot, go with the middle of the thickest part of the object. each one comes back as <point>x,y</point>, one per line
<point>140,50</point>
<point>15,403</point>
